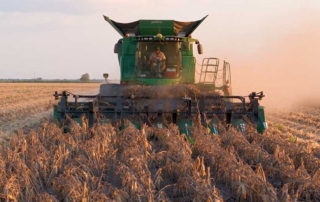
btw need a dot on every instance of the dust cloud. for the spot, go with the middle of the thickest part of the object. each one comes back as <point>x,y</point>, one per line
<point>287,69</point>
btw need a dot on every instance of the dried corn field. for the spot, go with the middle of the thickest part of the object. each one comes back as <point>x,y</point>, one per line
<point>23,105</point>
<point>151,164</point>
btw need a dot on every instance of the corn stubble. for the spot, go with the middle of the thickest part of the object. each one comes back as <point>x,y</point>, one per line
<point>23,99</point>
<point>152,164</point>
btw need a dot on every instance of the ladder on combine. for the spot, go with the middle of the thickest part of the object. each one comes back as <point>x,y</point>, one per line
<point>211,74</point>
<point>209,70</point>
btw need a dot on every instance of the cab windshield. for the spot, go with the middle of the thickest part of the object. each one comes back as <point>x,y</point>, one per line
<point>158,59</point>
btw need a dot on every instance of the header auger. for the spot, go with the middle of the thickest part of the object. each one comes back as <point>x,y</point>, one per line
<point>157,84</point>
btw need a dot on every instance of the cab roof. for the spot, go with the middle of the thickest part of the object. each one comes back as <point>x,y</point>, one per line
<point>153,27</point>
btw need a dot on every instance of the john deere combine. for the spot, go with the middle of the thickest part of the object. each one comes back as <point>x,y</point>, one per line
<point>158,84</point>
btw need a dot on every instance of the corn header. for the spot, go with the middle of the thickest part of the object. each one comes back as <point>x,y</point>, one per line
<point>158,84</point>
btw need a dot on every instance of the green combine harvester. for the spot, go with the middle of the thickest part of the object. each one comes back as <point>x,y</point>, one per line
<point>158,85</point>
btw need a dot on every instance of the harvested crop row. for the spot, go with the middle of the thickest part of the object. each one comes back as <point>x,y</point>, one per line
<point>304,165</point>
<point>280,123</point>
<point>311,111</point>
<point>308,141</point>
<point>286,129</point>
<point>272,139</point>
<point>277,168</point>
<point>303,119</point>
<point>20,112</point>
<point>17,93</point>
<point>20,101</point>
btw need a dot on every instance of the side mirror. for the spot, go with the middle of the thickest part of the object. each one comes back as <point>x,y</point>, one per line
<point>200,48</point>
<point>105,76</point>
<point>116,48</point>
<point>186,45</point>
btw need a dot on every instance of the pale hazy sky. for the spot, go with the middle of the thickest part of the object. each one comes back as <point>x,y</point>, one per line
<point>66,38</point>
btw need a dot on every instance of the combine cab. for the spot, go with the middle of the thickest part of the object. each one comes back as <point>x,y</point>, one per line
<point>162,90</point>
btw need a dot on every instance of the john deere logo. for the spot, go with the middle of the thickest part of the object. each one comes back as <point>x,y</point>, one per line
<point>155,21</point>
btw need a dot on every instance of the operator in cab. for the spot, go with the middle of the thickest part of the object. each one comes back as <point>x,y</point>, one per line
<point>157,56</point>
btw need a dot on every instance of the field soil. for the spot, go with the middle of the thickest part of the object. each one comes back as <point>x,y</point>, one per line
<point>153,164</point>
<point>26,105</point>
